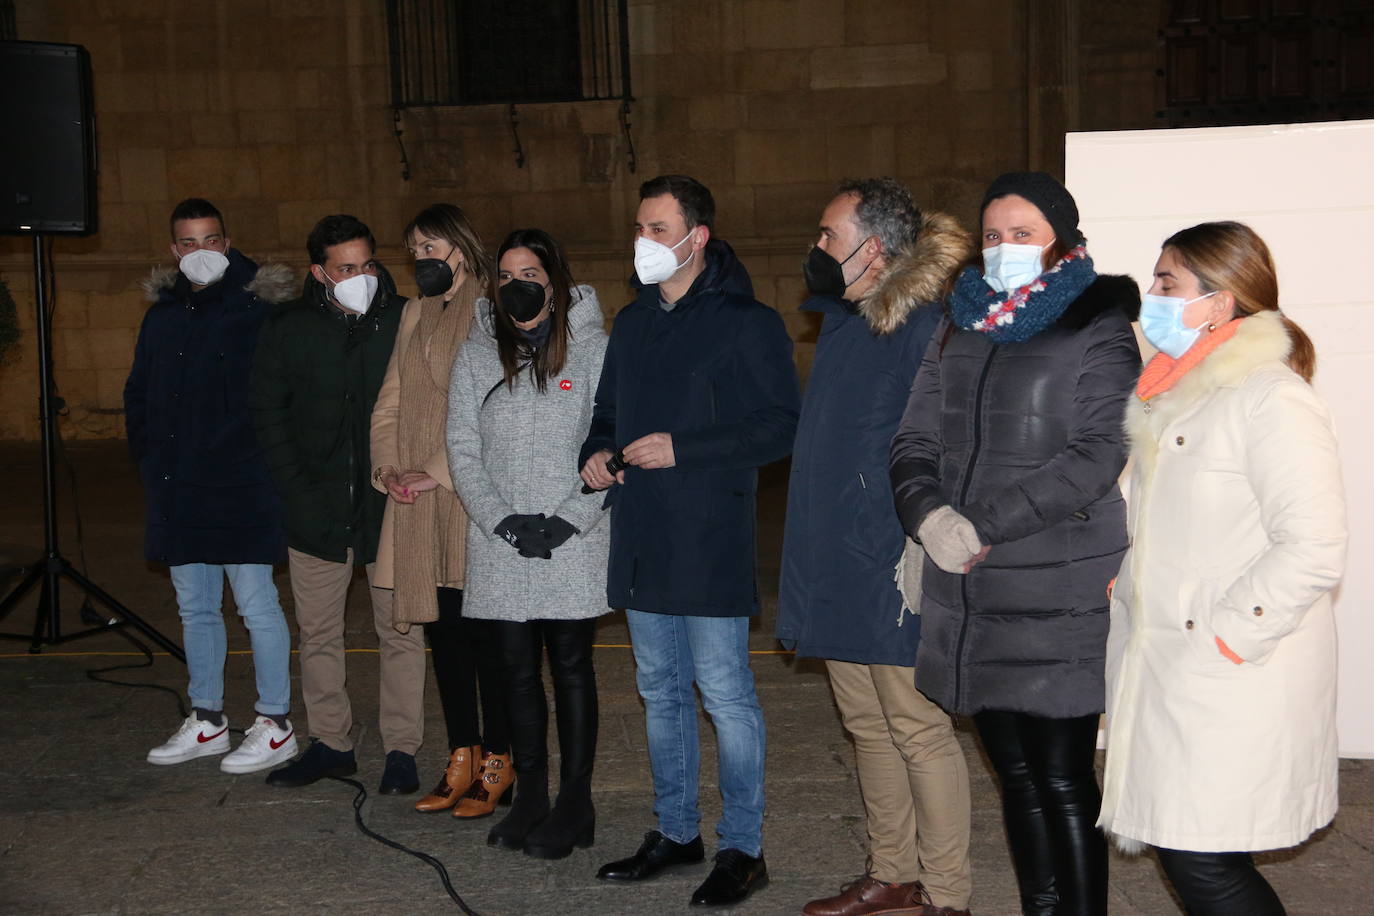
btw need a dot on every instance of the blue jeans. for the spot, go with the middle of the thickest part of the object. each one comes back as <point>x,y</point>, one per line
<point>200,599</point>
<point>671,653</point>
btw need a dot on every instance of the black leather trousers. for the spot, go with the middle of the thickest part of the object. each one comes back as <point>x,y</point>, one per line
<point>1219,883</point>
<point>569,645</point>
<point>466,662</point>
<point>1050,802</point>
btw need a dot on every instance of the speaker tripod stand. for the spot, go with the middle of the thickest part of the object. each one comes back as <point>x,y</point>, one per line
<point>48,571</point>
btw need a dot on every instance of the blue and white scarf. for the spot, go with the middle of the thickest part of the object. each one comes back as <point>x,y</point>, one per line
<point>1019,314</point>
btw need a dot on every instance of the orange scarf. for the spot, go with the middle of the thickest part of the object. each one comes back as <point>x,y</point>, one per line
<point>1163,371</point>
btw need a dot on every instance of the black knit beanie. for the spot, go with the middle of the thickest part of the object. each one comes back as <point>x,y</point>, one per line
<point>1043,190</point>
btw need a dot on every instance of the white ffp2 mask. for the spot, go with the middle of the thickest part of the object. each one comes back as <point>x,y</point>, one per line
<point>203,266</point>
<point>655,261</point>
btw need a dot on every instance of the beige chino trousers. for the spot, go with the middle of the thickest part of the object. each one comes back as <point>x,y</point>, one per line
<point>320,588</point>
<point>913,777</point>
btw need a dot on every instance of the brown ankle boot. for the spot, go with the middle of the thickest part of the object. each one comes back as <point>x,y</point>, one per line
<point>486,792</point>
<point>464,767</point>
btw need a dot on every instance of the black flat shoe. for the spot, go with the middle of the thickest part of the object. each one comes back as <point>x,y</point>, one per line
<point>656,853</point>
<point>400,776</point>
<point>318,761</point>
<point>735,876</point>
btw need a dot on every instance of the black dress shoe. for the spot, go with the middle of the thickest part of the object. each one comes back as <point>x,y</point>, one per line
<point>318,761</point>
<point>736,874</point>
<point>400,776</point>
<point>656,853</point>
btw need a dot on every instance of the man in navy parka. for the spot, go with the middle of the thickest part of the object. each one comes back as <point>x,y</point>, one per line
<point>698,390</point>
<point>876,275</point>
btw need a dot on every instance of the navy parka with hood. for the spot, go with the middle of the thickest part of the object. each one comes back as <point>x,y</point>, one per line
<point>837,597</point>
<point>209,497</point>
<point>716,373</point>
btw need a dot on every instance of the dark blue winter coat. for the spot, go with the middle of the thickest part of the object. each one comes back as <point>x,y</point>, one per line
<point>716,373</point>
<point>209,496</point>
<point>837,598</point>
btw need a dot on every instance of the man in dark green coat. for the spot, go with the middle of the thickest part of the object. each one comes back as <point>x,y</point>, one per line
<point>319,364</point>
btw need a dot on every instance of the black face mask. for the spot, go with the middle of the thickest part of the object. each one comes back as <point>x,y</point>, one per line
<point>522,299</point>
<point>433,276</point>
<point>825,275</point>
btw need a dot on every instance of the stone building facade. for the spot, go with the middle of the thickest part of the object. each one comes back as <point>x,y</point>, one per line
<point>279,111</point>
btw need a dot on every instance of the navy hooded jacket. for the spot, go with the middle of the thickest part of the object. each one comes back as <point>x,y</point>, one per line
<point>209,497</point>
<point>715,373</point>
<point>837,597</point>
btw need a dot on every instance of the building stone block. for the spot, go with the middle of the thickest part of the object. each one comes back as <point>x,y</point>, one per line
<point>212,129</point>
<point>272,127</point>
<point>793,23</point>
<point>883,22</point>
<point>257,90</point>
<point>286,172</point>
<point>142,175</point>
<point>764,157</point>
<point>124,309</point>
<point>145,44</point>
<point>717,112</point>
<point>218,173</point>
<point>793,209</point>
<point>708,26</point>
<point>971,71</point>
<point>862,152</point>
<point>877,65</point>
<point>774,71</point>
<point>735,211</point>
<point>109,391</point>
<point>296,218</point>
<point>70,311</point>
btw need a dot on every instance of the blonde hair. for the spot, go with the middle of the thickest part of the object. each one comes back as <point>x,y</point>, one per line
<point>1231,256</point>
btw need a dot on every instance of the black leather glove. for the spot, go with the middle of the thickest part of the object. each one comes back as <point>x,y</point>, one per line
<point>535,545</point>
<point>557,530</point>
<point>516,529</point>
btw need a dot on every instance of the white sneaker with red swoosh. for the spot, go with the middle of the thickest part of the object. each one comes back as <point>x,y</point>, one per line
<point>264,745</point>
<point>195,738</point>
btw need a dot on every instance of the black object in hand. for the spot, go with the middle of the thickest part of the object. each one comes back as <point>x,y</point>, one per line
<point>556,532</point>
<point>614,465</point>
<point>516,529</point>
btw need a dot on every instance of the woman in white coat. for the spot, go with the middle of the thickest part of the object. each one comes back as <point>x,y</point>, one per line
<point>1221,735</point>
<point>520,403</point>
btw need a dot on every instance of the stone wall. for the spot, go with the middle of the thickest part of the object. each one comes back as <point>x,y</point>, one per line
<point>278,111</point>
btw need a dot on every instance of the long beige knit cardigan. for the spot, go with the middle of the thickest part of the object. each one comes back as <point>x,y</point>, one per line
<point>422,544</point>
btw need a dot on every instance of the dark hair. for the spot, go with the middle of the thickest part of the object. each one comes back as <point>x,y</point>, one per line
<point>335,230</point>
<point>515,351</point>
<point>1231,256</point>
<point>194,208</point>
<point>450,223</point>
<point>885,209</point>
<point>693,198</point>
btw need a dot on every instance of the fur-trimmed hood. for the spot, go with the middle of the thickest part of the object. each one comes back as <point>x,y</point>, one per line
<point>918,274</point>
<point>272,283</point>
<point>1260,340</point>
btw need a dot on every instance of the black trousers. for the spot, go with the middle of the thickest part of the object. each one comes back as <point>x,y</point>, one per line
<point>1050,802</point>
<point>569,645</point>
<point>466,666</point>
<point>1219,883</point>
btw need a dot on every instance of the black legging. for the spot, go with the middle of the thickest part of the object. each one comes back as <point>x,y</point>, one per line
<point>1050,802</point>
<point>465,659</point>
<point>1219,883</point>
<point>569,644</point>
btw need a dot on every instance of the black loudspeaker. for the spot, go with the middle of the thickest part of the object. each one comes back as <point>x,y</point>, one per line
<point>47,159</point>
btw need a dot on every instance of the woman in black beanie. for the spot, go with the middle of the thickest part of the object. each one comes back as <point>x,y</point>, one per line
<point>1005,469</point>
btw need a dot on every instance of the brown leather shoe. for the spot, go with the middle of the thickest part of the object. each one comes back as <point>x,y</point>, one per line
<point>485,793</point>
<point>870,897</point>
<point>464,766</point>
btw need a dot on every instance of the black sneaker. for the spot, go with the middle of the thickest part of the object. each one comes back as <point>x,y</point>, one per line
<point>400,776</point>
<point>318,761</point>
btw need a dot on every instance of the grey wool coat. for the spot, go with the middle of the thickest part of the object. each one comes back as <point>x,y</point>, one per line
<point>514,451</point>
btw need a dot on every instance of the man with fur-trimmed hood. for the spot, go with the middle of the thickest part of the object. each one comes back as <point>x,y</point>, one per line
<point>212,509</point>
<point>877,276</point>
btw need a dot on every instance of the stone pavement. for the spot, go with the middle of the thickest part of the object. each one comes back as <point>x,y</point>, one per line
<point>86,826</point>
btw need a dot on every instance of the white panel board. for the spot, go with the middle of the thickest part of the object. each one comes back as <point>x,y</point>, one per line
<point>1308,189</point>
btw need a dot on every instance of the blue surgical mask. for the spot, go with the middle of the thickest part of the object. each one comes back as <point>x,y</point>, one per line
<point>1161,321</point>
<point>1009,267</point>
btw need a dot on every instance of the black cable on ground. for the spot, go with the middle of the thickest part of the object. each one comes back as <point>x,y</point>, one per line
<point>358,800</point>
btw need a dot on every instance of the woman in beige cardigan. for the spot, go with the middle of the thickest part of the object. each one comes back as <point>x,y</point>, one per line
<point>421,554</point>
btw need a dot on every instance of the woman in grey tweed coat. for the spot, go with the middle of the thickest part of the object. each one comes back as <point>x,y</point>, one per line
<point>520,403</point>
